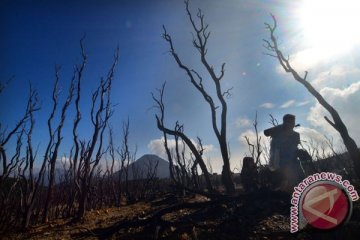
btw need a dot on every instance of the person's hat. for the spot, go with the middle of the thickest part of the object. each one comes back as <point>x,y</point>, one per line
<point>288,118</point>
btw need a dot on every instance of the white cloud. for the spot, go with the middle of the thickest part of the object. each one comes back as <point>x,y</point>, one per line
<point>309,136</point>
<point>242,122</point>
<point>346,102</point>
<point>303,103</point>
<point>267,105</point>
<point>337,76</point>
<point>156,146</point>
<point>288,104</point>
<point>342,94</point>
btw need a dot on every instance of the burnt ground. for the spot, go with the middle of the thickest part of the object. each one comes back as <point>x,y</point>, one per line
<point>261,215</point>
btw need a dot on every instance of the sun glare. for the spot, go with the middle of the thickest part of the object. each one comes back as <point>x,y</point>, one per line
<point>331,25</point>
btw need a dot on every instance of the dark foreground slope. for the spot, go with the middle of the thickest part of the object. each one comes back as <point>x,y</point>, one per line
<point>261,215</point>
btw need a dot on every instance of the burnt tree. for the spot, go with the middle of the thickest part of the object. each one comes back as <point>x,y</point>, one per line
<point>30,187</point>
<point>18,166</point>
<point>179,131</point>
<point>52,150</point>
<point>87,154</point>
<point>219,120</point>
<point>126,158</point>
<point>337,123</point>
<point>6,136</point>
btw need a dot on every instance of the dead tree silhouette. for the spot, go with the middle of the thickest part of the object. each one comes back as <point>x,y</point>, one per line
<point>337,123</point>
<point>89,153</point>
<point>30,186</point>
<point>6,136</point>
<point>201,37</point>
<point>29,196</point>
<point>55,141</point>
<point>179,131</point>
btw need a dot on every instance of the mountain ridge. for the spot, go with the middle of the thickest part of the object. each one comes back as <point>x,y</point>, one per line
<point>148,162</point>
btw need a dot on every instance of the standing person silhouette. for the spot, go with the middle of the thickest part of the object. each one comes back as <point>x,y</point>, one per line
<point>283,150</point>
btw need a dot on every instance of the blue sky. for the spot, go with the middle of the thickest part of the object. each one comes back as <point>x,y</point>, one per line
<point>36,35</point>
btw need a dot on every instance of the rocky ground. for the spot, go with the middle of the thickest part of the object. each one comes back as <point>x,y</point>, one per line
<point>262,215</point>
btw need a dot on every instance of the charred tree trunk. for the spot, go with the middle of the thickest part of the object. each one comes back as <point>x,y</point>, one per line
<point>201,37</point>
<point>82,202</point>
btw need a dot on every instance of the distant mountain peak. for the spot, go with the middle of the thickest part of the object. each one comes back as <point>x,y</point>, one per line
<point>150,160</point>
<point>150,157</point>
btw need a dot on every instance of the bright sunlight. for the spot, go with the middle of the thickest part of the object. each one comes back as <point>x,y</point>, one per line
<point>330,26</point>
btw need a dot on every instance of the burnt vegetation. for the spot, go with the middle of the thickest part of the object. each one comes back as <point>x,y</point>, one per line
<point>78,196</point>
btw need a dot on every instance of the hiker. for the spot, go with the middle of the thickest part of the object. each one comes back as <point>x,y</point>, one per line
<point>283,150</point>
<point>249,174</point>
